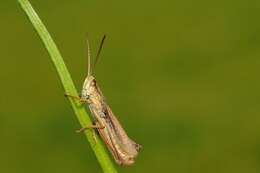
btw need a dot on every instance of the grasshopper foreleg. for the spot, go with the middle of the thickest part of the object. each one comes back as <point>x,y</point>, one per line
<point>76,97</point>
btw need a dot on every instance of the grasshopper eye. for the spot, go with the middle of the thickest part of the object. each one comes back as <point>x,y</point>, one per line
<point>93,83</point>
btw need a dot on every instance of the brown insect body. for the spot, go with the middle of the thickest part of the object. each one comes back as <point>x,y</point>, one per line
<point>123,149</point>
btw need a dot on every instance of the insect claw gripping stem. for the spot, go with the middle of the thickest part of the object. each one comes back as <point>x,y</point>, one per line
<point>75,97</point>
<point>93,126</point>
<point>90,127</point>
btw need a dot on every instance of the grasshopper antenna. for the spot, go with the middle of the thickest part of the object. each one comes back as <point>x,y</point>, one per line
<point>99,50</point>
<point>89,63</point>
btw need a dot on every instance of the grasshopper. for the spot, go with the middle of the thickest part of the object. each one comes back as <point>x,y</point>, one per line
<point>123,149</point>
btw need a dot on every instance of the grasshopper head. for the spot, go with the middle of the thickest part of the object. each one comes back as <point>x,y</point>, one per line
<point>88,87</point>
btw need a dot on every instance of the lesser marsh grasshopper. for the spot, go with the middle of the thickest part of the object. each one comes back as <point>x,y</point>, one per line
<point>123,149</point>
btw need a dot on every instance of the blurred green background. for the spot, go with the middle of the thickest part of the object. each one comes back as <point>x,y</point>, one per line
<point>181,76</point>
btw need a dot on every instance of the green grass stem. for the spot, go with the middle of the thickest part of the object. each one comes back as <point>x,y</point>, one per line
<point>84,119</point>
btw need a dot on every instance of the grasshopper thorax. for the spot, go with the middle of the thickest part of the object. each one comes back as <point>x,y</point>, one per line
<point>89,87</point>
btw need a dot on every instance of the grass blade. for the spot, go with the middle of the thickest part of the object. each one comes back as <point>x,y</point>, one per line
<point>98,148</point>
